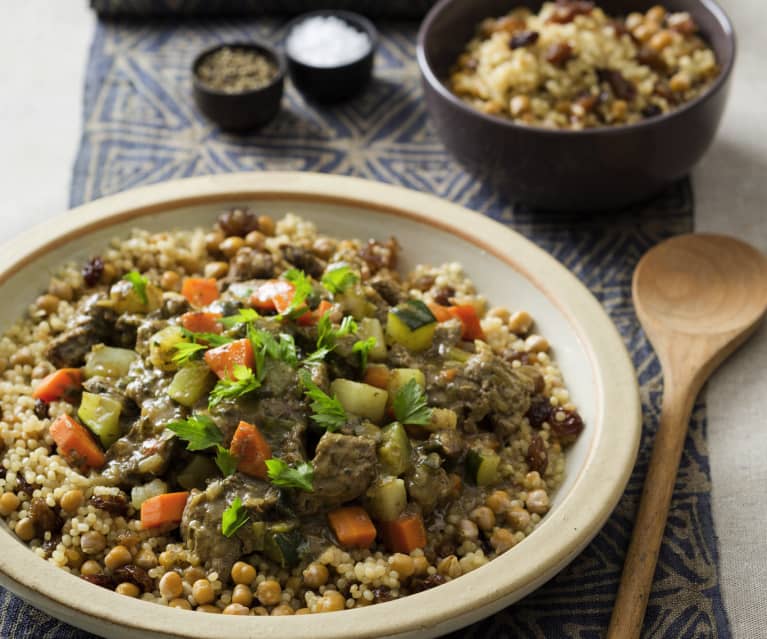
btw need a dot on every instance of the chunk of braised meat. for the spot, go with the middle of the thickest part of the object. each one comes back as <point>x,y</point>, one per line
<point>389,290</point>
<point>443,295</point>
<point>424,282</point>
<point>621,87</point>
<point>249,264</point>
<point>113,504</point>
<point>427,482</point>
<point>91,324</point>
<point>537,458</point>
<point>305,260</point>
<point>524,39</point>
<point>44,517</point>
<point>448,443</point>
<point>93,270</point>
<point>566,10</point>
<point>558,53</point>
<point>135,575</point>
<point>173,304</point>
<point>378,255</point>
<point>238,221</point>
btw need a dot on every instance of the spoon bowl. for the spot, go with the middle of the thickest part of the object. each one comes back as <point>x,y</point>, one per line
<point>698,297</point>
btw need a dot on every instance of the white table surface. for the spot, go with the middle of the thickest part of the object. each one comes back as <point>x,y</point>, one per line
<point>44,45</point>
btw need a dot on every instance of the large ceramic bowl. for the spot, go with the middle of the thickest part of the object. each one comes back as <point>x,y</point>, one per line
<point>506,267</point>
<point>594,169</point>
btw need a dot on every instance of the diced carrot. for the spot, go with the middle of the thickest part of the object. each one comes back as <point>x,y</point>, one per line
<point>63,384</point>
<point>468,315</point>
<point>312,317</point>
<point>404,534</point>
<point>251,450</point>
<point>200,291</point>
<point>441,313</point>
<point>352,527</point>
<point>223,359</point>
<point>163,509</point>
<point>377,375</point>
<point>76,444</point>
<point>449,374</point>
<point>272,295</point>
<point>201,322</point>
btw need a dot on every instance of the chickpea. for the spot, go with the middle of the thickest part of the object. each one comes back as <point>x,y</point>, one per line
<point>537,501</point>
<point>25,529</point>
<point>645,31</point>
<point>171,586</point>
<point>193,573</point>
<point>316,575</point>
<point>468,530</point>
<point>656,14</point>
<point>202,592</point>
<point>450,567</point>
<point>48,303</point>
<point>117,557</point>
<point>324,247</point>
<point>537,343</point>
<point>71,500</point>
<point>236,609</point>
<point>128,589</point>
<point>501,540</point>
<point>266,225</point>
<point>332,600</point>
<point>92,542</point>
<point>231,245</point>
<point>500,312</point>
<point>216,270</point>
<point>242,595</point>
<point>9,502</point>
<point>520,322</point>
<point>518,518</point>
<point>303,611</point>
<point>109,274</point>
<point>679,82</point>
<point>269,592</point>
<point>208,608</point>
<point>243,573</point>
<point>499,501</point>
<point>282,610</point>
<point>420,566</point>
<point>660,40</point>
<point>60,289</point>
<point>483,517</point>
<point>255,239</point>
<point>212,241</point>
<point>146,559</point>
<point>261,611</point>
<point>170,281</point>
<point>90,568</point>
<point>180,603</point>
<point>403,564</point>
<point>74,558</point>
<point>167,559</point>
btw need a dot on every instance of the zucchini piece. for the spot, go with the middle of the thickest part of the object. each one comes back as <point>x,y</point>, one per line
<point>124,298</point>
<point>412,325</point>
<point>360,399</point>
<point>458,355</point>
<point>371,327</point>
<point>283,547</point>
<point>442,419</point>
<point>102,415</point>
<point>387,498</point>
<point>259,535</point>
<point>354,302</point>
<point>196,472</point>
<point>395,450</point>
<point>482,467</point>
<point>191,383</point>
<point>162,347</point>
<point>399,377</point>
<point>108,361</point>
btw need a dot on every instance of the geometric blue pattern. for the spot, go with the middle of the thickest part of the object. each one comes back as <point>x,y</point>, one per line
<point>141,127</point>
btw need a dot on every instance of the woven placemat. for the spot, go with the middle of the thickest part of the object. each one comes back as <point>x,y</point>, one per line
<point>142,127</point>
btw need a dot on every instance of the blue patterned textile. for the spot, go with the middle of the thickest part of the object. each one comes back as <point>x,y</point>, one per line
<point>141,127</point>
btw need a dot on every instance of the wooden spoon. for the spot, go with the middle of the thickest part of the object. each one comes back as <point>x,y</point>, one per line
<point>698,297</point>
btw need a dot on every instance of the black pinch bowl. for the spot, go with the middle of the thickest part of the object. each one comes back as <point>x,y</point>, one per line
<point>247,110</point>
<point>333,84</point>
<point>593,169</point>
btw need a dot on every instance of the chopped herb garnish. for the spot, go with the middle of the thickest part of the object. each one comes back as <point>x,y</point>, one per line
<point>337,280</point>
<point>186,351</point>
<point>303,288</point>
<point>410,405</point>
<point>234,518</point>
<point>199,432</point>
<point>363,347</point>
<point>207,339</point>
<point>243,316</point>
<point>327,335</point>
<point>139,283</point>
<point>282,347</point>
<point>226,462</point>
<point>243,383</point>
<point>328,411</point>
<point>285,476</point>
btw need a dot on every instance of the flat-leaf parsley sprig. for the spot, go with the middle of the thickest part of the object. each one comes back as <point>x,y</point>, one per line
<point>244,382</point>
<point>327,411</point>
<point>285,476</point>
<point>139,283</point>
<point>234,518</point>
<point>410,405</point>
<point>201,433</point>
<point>338,278</point>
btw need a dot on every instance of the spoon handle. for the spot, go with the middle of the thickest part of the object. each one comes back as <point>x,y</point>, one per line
<point>639,568</point>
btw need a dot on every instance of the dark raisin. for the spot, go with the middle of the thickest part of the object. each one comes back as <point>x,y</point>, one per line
<point>238,221</point>
<point>539,411</point>
<point>382,594</point>
<point>113,504</point>
<point>537,458</point>
<point>651,110</point>
<point>431,581</point>
<point>41,409</point>
<point>558,53</point>
<point>44,517</point>
<point>587,102</point>
<point>571,426</point>
<point>378,255</point>
<point>49,545</point>
<point>524,39</point>
<point>99,580</point>
<point>3,472</point>
<point>619,27</point>
<point>93,270</point>
<point>388,290</point>
<point>651,58</point>
<point>424,282</point>
<point>566,10</point>
<point>135,575</point>
<point>443,294</point>
<point>250,264</point>
<point>622,88</point>
<point>23,485</point>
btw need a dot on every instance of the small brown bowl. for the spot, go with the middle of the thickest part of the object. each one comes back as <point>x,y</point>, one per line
<point>593,169</point>
<point>246,110</point>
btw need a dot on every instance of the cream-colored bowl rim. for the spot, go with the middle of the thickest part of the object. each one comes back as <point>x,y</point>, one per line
<point>562,534</point>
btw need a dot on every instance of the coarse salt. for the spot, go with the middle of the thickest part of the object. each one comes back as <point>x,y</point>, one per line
<point>326,41</point>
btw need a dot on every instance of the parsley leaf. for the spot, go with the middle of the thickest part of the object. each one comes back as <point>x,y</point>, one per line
<point>282,347</point>
<point>243,316</point>
<point>207,339</point>
<point>139,282</point>
<point>303,286</point>
<point>286,477</point>
<point>199,432</point>
<point>328,411</point>
<point>226,462</point>
<point>243,383</point>
<point>186,351</point>
<point>363,347</point>
<point>327,335</point>
<point>410,405</point>
<point>234,518</point>
<point>338,279</point>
